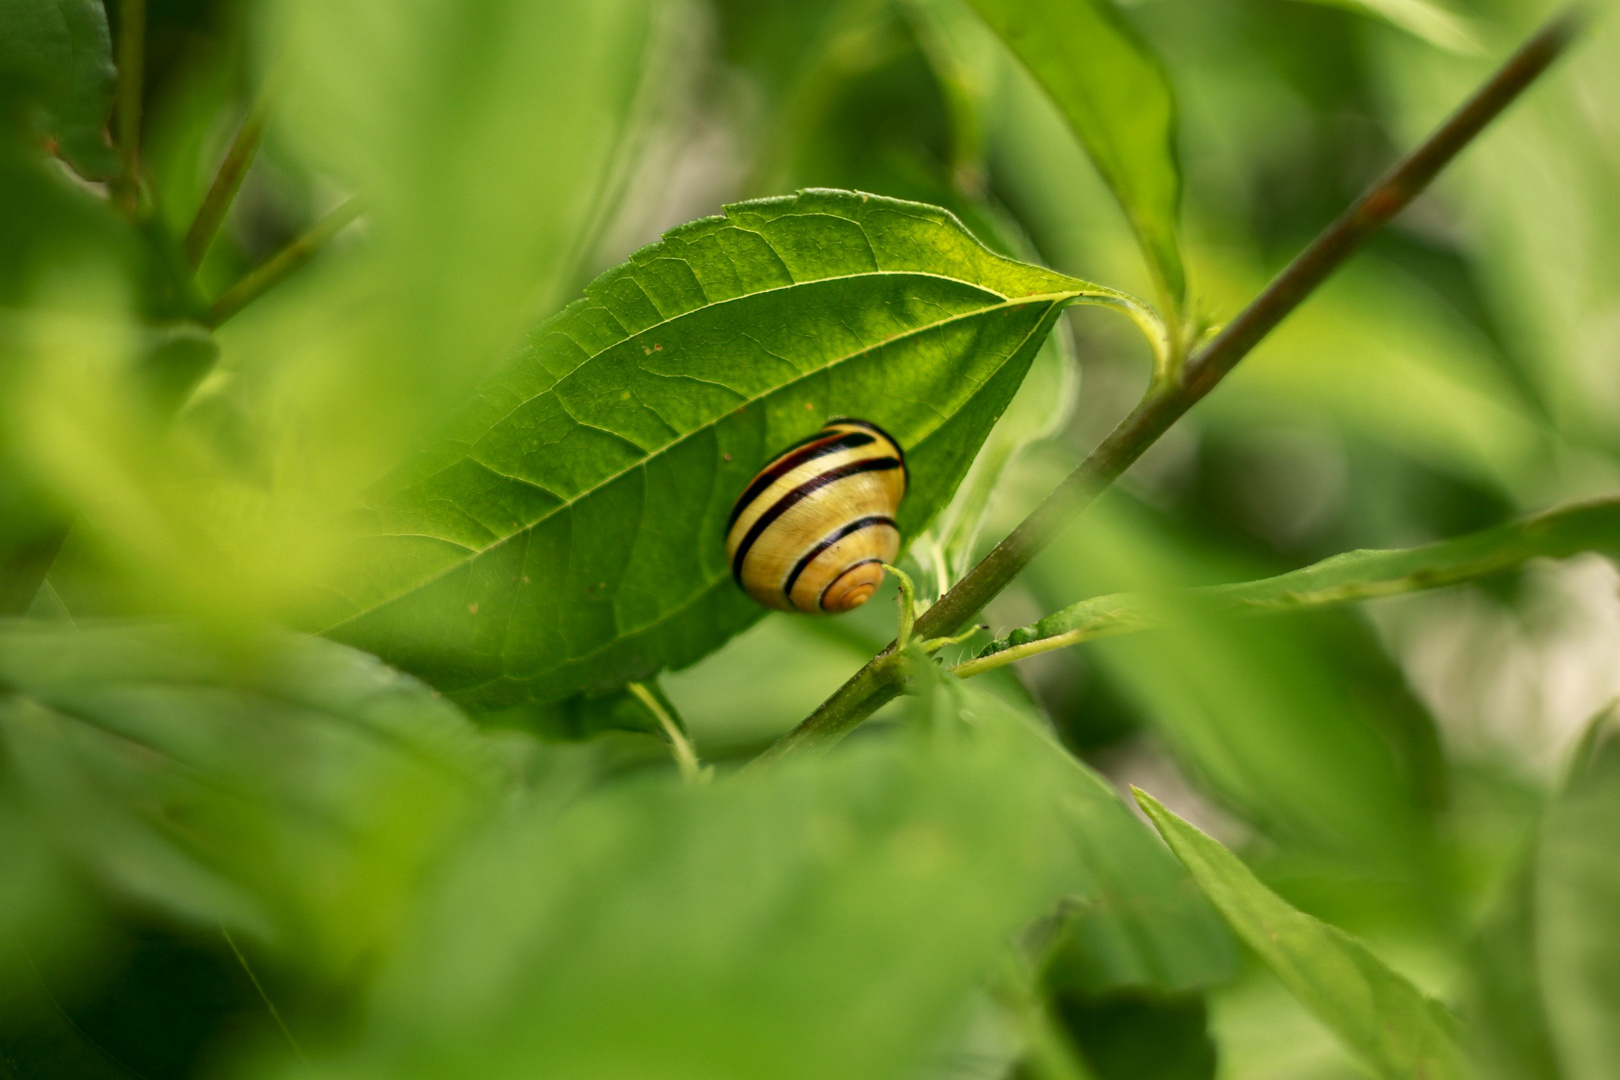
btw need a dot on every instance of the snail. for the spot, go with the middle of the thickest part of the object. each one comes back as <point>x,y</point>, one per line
<point>812,530</point>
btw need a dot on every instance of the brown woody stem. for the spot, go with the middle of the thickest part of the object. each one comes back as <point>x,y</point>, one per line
<point>881,680</point>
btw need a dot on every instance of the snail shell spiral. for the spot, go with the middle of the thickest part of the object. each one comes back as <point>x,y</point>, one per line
<point>809,532</point>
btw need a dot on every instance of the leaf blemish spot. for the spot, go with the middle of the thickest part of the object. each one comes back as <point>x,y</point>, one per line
<point>726,456</point>
<point>472,609</point>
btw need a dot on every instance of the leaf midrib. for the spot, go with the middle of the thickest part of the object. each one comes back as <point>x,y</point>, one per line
<point>666,320</point>
<point>475,553</point>
<point>698,597</point>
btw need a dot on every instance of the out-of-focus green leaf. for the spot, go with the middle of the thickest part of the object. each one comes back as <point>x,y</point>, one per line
<point>69,264</point>
<point>1577,894</point>
<point>1145,929</point>
<point>1427,20</point>
<point>1388,1022</point>
<point>1258,711</point>
<point>483,137</point>
<point>1130,1037</point>
<point>57,54</point>
<point>968,62</point>
<point>815,918</point>
<point>154,1001</point>
<point>566,533</point>
<point>296,792</point>
<point>1117,98</point>
<point>453,121</point>
<point>1507,1032</point>
<point>1383,357</point>
<point>582,716</point>
<point>1142,926</point>
<point>1355,575</point>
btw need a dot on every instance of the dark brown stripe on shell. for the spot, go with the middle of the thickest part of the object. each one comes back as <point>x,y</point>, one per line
<point>869,426</point>
<point>828,541</point>
<point>799,494</point>
<point>818,445</point>
<point>821,601</point>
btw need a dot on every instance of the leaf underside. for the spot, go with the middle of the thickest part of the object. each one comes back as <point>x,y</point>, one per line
<point>1389,1023</point>
<point>565,534</point>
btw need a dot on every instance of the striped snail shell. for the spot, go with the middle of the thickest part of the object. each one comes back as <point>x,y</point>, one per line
<point>809,533</point>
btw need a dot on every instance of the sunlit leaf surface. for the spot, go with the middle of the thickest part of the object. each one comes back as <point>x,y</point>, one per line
<point>567,532</point>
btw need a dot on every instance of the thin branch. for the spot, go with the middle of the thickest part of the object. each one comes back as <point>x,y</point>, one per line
<point>879,681</point>
<point>1342,579</point>
<point>131,71</point>
<point>228,180</point>
<point>284,262</point>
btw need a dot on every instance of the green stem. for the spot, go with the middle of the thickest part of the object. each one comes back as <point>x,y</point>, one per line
<point>283,262</point>
<point>878,681</point>
<point>131,70</point>
<point>907,601</point>
<point>1343,579</point>
<point>228,180</point>
<point>686,758</point>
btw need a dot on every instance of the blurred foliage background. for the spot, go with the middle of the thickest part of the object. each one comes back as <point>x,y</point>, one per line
<point>227,850</point>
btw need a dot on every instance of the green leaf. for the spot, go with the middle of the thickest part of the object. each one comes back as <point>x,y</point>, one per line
<point>1577,894</point>
<point>1142,925</point>
<point>66,252</point>
<point>1043,404</point>
<point>583,716</point>
<point>295,790</point>
<point>1355,575</point>
<point>1302,727</point>
<point>1389,1023</point>
<point>1420,18</point>
<point>566,534</point>
<point>804,919</point>
<point>58,54</point>
<point>1508,1031</point>
<point>1117,98</point>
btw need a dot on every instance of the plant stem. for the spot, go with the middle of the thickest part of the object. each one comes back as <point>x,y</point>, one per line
<point>686,759</point>
<point>229,179</point>
<point>131,69</point>
<point>879,681</point>
<point>283,262</point>
<point>1342,579</point>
